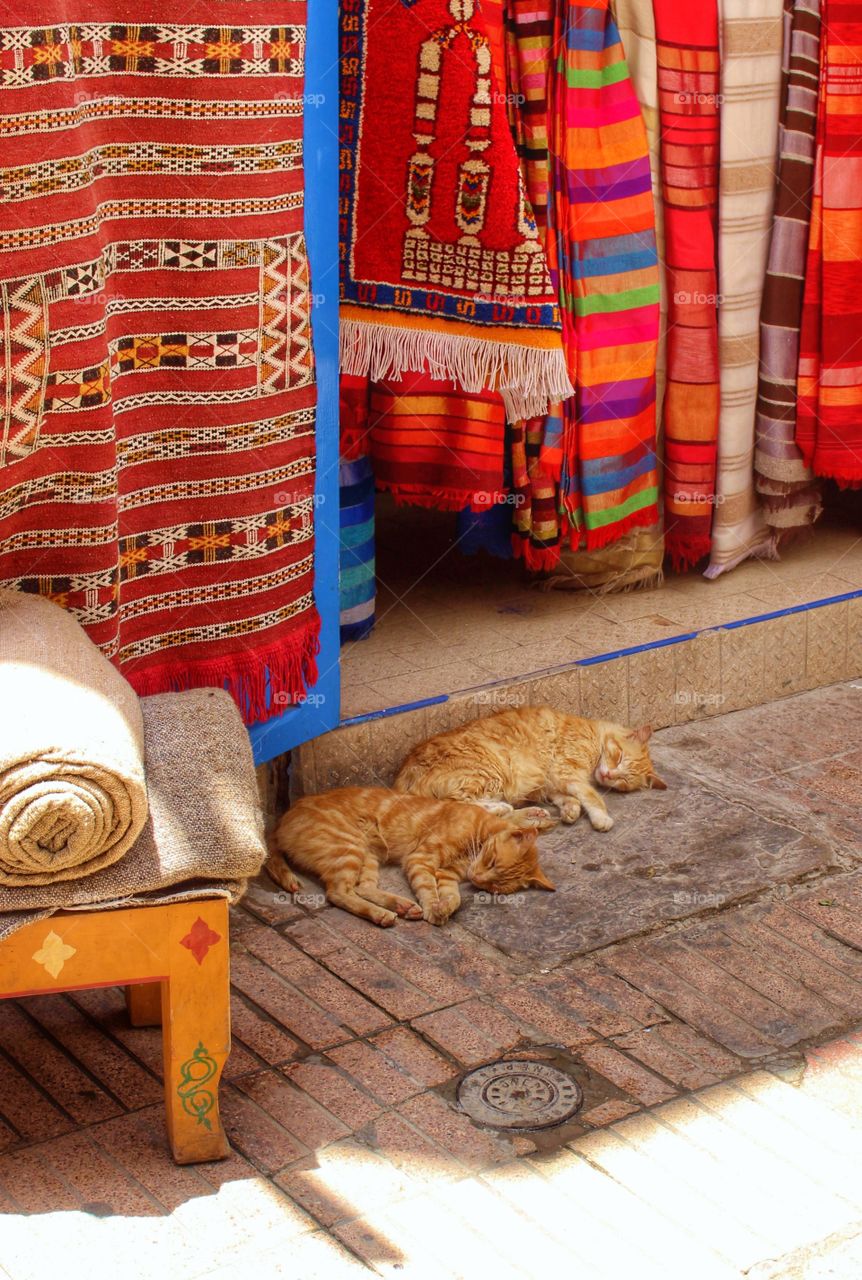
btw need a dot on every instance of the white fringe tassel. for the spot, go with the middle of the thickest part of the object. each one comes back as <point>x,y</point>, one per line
<point>528,378</point>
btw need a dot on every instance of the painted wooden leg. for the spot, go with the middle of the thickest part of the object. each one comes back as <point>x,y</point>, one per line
<point>144,1004</point>
<point>196,1029</point>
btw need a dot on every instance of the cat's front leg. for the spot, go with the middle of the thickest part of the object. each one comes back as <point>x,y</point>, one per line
<point>433,898</point>
<point>569,806</point>
<point>593,805</point>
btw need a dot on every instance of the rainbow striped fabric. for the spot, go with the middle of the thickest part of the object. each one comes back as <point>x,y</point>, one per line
<point>602,253</point>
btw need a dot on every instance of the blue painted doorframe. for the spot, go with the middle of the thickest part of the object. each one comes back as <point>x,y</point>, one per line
<point>320,710</point>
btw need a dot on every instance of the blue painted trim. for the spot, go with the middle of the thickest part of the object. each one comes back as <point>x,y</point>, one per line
<point>608,657</point>
<point>321,710</point>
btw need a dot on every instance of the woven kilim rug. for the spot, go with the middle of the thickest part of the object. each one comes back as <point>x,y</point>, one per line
<point>157,446</point>
<point>443,271</point>
<point>829,419</point>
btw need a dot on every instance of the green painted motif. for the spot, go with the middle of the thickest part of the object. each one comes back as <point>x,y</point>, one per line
<point>197,1101</point>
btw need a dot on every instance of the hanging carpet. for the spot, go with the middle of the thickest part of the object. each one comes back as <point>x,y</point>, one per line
<point>442,268</point>
<point>157,446</point>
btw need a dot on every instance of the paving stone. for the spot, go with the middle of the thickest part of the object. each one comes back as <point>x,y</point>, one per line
<point>121,1074</point>
<point>407,1051</point>
<point>26,1108</point>
<point>627,1075</point>
<point>312,1124</point>
<point>76,1092</point>
<point>458,1035</point>
<point>260,1034</point>
<point>599,999</point>
<point>367,1064</point>
<point>684,1059</point>
<point>474,1147</point>
<point>333,1090</point>
<point>608,1112</point>
<point>381,984</point>
<point>254,1132</point>
<point>778,951</point>
<point>290,1007</point>
<point>345,1180</point>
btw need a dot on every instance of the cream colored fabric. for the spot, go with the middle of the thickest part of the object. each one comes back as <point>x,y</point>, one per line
<point>73,798</point>
<point>751,42</point>
<point>204,833</point>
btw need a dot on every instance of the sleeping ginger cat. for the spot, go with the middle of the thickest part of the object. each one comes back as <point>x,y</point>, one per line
<point>535,754</point>
<point>344,836</point>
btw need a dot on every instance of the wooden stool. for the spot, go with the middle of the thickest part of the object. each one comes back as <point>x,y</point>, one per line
<point>173,962</point>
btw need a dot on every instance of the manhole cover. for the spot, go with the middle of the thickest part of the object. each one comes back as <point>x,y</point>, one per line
<point>518,1094</point>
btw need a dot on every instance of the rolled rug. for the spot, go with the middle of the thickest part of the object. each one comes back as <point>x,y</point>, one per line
<point>204,832</point>
<point>73,795</point>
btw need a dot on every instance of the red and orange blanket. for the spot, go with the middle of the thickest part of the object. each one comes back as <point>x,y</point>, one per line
<point>157,435</point>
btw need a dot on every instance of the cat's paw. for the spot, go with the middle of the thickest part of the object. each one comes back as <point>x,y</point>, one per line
<point>534,816</point>
<point>410,911</point>
<point>436,913</point>
<point>570,811</point>
<point>386,919</point>
<point>601,821</point>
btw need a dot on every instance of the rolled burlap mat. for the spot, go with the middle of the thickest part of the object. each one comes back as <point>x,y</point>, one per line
<point>73,793</point>
<point>204,833</point>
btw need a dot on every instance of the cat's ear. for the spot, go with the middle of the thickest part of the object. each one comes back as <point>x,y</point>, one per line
<point>656,783</point>
<point>644,733</point>
<point>538,880</point>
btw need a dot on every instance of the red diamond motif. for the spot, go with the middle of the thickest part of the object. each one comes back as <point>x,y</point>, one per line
<point>199,939</point>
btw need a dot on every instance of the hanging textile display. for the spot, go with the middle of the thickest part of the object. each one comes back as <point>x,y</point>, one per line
<point>443,270</point>
<point>751,41</point>
<point>157,452</point>
<point>602,249</point>
<point>789,495</point>
<point>635,559</point>
<point>688,68</point>
<point>829,418</point>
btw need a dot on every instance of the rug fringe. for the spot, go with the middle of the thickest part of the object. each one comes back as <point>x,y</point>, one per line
<point>766,550</point>
<point>263,683</point>
<point>686,552</point>
<point>529,379</point>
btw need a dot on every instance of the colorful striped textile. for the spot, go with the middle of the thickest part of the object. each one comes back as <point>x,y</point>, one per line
<point>751,39</point>
<point>435,447</point>
<point>635,559</point>
<point>688,63</point>
<point>602,252</point>
<point>788,492</point>
<point>537,460</point>
<point>829,419</point>
<point>357,587</point>
<point>442,267</point>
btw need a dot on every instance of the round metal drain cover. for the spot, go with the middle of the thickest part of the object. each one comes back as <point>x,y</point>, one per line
<point>519,1094</point>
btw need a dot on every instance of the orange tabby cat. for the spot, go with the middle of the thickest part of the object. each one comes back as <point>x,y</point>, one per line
<point>532,753</point>
<point>343,837</point>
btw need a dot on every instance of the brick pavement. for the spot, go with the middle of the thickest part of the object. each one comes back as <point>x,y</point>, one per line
<point>715,1051</point>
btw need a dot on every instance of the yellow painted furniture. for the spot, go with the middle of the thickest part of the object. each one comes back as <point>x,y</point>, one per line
<point>173,962</point>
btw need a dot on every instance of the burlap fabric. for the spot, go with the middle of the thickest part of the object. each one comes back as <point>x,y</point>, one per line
<point>73,796</point>
<point>204,833</point>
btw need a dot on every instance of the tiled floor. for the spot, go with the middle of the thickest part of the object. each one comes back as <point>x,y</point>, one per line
<point>447,622</point>
<point>700,968</point>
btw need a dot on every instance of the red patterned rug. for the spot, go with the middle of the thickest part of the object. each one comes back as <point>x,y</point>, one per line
<point>157,446</point>
<point>443,270</point>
